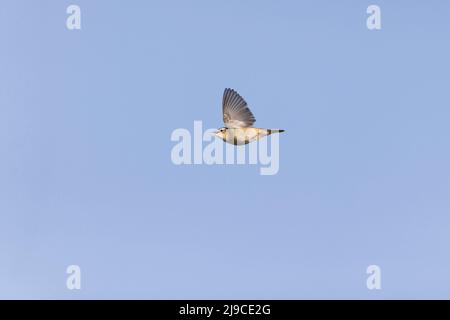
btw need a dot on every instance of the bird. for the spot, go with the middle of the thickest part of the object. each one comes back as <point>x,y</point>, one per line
<point>239,120</point>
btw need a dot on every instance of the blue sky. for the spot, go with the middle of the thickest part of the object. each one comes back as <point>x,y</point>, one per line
<point>86,176</point>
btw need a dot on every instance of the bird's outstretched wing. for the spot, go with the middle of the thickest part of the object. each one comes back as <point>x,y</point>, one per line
<point>236,113</point>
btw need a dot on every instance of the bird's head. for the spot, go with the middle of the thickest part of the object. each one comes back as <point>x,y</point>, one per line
<point>221,132</point>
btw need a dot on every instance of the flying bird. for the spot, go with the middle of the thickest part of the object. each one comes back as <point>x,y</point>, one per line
<point>238,120</point>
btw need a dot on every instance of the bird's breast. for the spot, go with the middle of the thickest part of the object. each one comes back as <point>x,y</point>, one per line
<point>240,136</point>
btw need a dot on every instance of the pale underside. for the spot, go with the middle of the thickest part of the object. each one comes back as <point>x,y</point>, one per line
<point>240,136</point>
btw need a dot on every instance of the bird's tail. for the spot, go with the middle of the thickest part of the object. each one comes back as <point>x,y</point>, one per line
<point>270,131</point>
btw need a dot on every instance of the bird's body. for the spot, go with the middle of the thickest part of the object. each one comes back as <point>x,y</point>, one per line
<point>240,136</point>
<point>238,121</point>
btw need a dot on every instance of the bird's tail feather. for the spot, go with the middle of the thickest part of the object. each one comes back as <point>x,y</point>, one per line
<point>270,131</point>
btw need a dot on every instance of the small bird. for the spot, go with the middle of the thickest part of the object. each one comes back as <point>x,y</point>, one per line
<point>238,120</point>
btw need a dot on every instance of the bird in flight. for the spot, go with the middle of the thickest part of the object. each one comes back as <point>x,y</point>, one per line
<point>238,120</point>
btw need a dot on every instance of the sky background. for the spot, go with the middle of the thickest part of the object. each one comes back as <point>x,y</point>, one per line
<point>86,176</point>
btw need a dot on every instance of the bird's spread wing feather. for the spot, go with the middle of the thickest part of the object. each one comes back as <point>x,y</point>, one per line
<point>236,113</point>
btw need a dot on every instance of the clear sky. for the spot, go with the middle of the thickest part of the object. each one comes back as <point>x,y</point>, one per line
<point>86,176</point>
